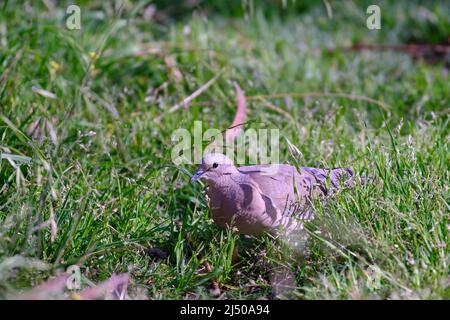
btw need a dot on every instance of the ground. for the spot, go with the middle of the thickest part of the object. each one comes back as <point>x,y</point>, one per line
<point>85,136</point>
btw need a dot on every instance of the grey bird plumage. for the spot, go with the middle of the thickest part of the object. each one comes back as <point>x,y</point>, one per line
<point>265,198</point>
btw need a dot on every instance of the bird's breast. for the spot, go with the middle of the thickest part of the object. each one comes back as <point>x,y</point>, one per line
<point>238,206</point>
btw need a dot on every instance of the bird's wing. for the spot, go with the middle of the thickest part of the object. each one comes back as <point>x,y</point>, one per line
<point>290,190</point>
<point>331,179</point>
<point>275,191</point>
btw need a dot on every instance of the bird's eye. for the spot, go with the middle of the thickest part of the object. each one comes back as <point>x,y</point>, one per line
<point>215,165</point>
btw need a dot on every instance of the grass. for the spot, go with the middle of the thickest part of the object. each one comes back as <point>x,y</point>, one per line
<point>96,163</point>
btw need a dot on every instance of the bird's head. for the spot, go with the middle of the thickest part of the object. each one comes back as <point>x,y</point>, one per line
<point>213,167</point>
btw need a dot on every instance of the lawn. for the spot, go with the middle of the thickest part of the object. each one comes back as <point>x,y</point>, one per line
<point>86,124</point>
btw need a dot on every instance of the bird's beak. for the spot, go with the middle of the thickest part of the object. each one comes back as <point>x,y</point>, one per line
<point>197,175</point>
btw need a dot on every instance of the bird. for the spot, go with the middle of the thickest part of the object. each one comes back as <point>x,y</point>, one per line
<point>272,198</point>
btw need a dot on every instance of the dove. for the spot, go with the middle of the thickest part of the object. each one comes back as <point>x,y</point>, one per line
<point>265,198</point>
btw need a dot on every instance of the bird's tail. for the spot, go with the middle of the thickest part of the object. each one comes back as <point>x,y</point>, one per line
<point>346,176</point>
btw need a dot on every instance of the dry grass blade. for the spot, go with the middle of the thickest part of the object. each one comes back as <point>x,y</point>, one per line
<point>15,157</point>
<point>108,106</point>
<point>215,290</point>
<point>279,110</point>
<point>52,132</point>
<point>239,119</point>
<point>236,126</point>
<point>10,66</point>
<point>44,93</point>
<point>195,94</point>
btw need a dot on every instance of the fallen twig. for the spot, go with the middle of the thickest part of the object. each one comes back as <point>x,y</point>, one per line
<point>214,283</point>
<point>414,49</point>
<point>350,96</point>
<point>429,52</point>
